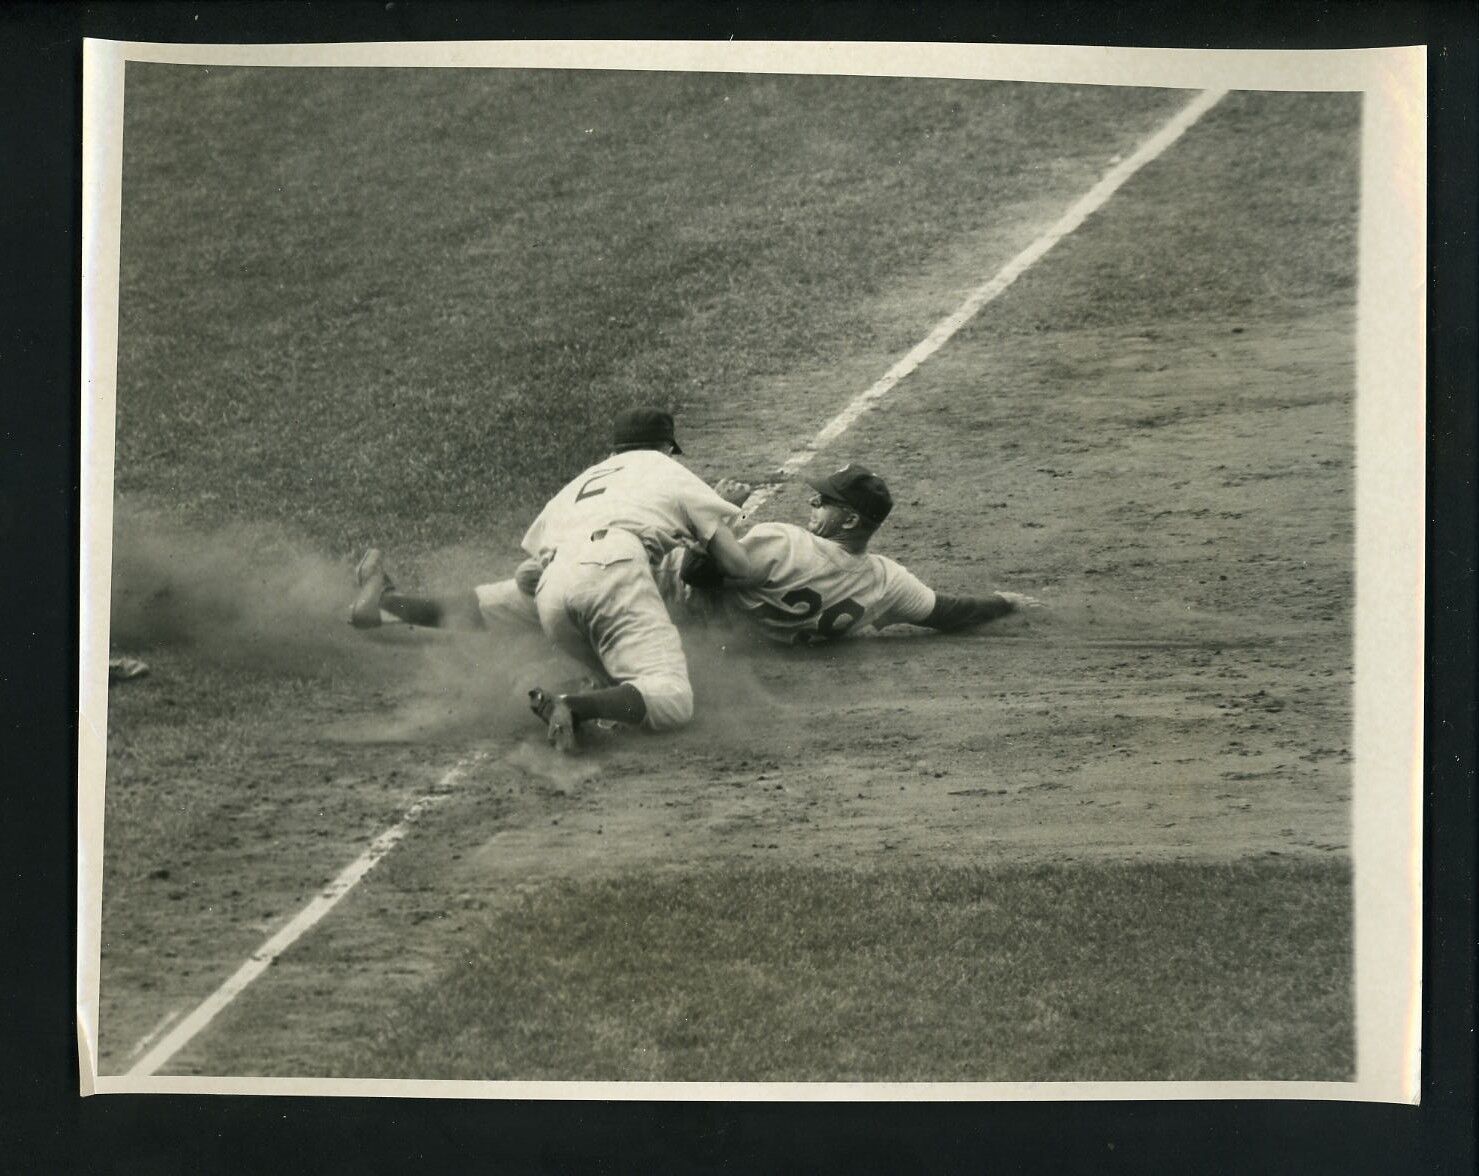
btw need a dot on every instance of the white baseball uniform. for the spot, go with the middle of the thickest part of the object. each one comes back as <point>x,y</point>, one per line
<point>598,539</point>
<point>501,603</point>
<point>815,589</point>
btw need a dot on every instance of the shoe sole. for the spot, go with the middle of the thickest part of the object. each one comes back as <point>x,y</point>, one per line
<point>541,704</point>
<point>370,563</point>
<point>373,583</point>
<point>560,723</point>
<point>561,733</point>
<point>364,613</point>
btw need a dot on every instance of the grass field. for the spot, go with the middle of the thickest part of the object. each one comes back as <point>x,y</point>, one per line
<point>444,329</point>
<point>400,306</point>
<point>932,974</point>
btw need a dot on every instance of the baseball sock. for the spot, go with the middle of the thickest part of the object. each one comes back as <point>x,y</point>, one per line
<point>434,612</point>
<point>623,703</point>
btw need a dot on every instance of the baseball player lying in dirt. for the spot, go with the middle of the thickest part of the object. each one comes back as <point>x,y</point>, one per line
<point>821,582</point>
<point>804,585</point>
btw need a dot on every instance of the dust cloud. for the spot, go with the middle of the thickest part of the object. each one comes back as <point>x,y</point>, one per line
<point>260,600</point>
<point>241,595</point>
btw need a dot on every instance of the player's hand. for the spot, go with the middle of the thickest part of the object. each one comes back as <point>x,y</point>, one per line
<point>733,491</point>
<point>1021,602</point>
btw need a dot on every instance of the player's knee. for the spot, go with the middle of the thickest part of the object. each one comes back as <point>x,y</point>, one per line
<point>669,700</point>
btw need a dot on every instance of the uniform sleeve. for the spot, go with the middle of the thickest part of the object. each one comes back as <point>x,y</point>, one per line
<point>705,509</point>
<point>906,598</point>
<point>959,612</point>
<point>766,546</point>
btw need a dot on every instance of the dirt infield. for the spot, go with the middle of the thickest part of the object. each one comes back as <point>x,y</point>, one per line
<point>1171,472</point>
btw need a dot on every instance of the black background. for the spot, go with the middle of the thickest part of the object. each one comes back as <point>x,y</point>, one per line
<point>45,1126</point>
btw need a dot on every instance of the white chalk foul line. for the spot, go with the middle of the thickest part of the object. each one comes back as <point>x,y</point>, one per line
<point>159,1027</point>
<point>1081,209</point>
<point>329,896</point>
<point>322,903</point>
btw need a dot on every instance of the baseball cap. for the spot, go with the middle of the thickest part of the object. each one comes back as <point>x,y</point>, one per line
<point>857,487</point>
<point>643,426</point>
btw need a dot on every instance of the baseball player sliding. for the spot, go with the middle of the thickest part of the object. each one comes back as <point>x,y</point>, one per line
<point>822,582</point>
<point>596,544</point>
<point>803,585</point>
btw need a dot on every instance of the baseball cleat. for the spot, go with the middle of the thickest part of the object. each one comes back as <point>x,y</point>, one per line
<point>555,711</point>
<point>365,612</point>
<point>372,563</point>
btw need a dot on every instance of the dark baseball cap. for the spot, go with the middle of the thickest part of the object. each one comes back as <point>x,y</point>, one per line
<point>856,487</point>
<point>643,426</point>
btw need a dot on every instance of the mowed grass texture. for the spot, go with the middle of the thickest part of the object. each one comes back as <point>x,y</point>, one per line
<point>401,306</point>
<point>1117,972</point>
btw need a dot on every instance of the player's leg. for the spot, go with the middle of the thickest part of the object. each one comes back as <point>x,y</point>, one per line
<point>378,602</point>
<point>505,605</point>
<point>610,606</point>
<point>622,703</point>
<point>630,629</point>
<point>455,611</point>
<point>564,713</point>
<point>563,580</point>
<point>557,611</point>
<point>649,659</point>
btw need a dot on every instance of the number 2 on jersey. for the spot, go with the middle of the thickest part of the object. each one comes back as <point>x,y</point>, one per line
<point>585,490</point>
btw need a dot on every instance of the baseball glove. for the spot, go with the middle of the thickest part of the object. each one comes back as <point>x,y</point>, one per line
<point>700,570</point>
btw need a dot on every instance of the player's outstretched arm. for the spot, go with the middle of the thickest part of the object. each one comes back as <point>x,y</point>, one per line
<point>961,612</point>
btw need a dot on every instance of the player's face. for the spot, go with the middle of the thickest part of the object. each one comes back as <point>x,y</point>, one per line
<point>827,516</point>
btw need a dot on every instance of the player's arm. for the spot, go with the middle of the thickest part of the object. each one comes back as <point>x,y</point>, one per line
<point>907,599</point>
<point>961,612</point>
<point>731,561</point>
<point>764,550</point>
<point>712,519</point>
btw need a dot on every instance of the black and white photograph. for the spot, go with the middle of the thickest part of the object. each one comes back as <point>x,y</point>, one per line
<point>623,569</point>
